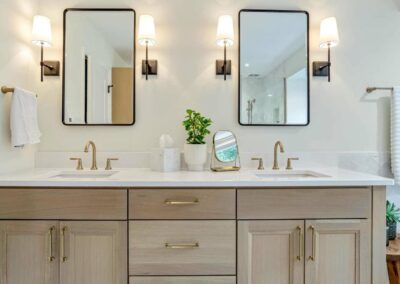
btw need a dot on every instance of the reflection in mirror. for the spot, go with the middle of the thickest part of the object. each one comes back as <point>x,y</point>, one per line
<point>99,60</point>
<point>226,148</point>
<point>274,71</point>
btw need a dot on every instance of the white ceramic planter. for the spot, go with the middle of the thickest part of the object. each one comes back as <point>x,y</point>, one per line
<point>195,156</point>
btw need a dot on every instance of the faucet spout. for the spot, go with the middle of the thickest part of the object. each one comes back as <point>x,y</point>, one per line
<point>94,154</point>
<point>282,150</point>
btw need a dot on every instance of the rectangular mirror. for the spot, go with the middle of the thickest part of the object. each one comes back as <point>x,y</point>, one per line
<point>274,68</point>
<point>99,67</point>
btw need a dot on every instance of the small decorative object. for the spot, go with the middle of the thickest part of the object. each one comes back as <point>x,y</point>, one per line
<point>195,149</point>
<point>225,152</point>
<point>166,158</point>
<point>392,218</point>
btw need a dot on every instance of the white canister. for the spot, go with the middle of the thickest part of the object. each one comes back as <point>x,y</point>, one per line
<point>166,160</point>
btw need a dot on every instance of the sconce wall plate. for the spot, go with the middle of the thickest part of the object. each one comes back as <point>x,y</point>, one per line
<point>153,67</point>
<point>321,69</point>
<point>55,71</point>
<point>221,65</point>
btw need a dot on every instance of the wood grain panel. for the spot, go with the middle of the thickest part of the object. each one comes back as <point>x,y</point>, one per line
<point>212,204</point>
<point>63,204</point>
<point>304,203</point>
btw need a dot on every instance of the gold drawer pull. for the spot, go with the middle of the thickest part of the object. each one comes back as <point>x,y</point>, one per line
<point>63,257</point>
<point>181,202</point>
<point>312,256</point>
<point>182,246</point>
<point>300,241</point>
<point>51,232</point>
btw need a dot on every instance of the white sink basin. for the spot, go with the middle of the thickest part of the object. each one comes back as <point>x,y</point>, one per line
<point>84,174</point>
<point>290,175</point>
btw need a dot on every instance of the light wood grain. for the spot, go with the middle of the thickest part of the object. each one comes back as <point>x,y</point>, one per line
<point>379,269</point>
<point>212,204</point>
<point>304,203</point>
<point>342,252</point>
<point>63,204</point>
<point>25,252</point>
<point>216,254</point>
<point>183,280</point>
<point>96,253</point>
<point>268,250</point>
<point>122,95</point>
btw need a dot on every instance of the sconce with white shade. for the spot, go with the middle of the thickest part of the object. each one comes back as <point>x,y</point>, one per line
<point>329,37</point>
<point>147,37</point>
<point>42,36</point>
<point>225,38</point>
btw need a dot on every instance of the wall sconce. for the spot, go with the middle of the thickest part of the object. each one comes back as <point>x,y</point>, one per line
<point>225,38</point>
<point>147,37</point>
<point>329,37</point>
<point>41,35</point>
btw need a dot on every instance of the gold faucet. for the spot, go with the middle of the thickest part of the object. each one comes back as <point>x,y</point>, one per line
<point>282,150</point>
<point>94,161</point>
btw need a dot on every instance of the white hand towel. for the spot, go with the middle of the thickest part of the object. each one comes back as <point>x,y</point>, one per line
<point>24,121</point>
<point>395,134</point>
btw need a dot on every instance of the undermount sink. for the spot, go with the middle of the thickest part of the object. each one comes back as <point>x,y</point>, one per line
<point>85,174</point>
<point>290,174</point>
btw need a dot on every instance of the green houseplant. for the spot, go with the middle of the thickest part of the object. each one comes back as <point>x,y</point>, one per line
<point>392,218</point>
<point>195,148</point>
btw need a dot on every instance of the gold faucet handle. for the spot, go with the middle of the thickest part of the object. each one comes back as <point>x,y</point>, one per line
<point>108,164</point>
<point>260,163</point>
<point>289,163</point>
<point>79,166</point>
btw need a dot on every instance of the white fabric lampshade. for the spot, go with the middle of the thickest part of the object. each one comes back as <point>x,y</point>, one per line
<point>225,31</point>
<point>41,31</point>
<point>147,30</point>
<point>329,34</point>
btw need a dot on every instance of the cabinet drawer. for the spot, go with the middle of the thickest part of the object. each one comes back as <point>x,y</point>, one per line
<point>163,204</point>
<point>183,280</point>
<point>52,204</point>
<point>304,203</point>
<point>182,248</point>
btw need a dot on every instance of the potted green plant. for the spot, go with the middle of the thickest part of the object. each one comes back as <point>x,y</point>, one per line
<point>195,148</point>
<point>392,218</point>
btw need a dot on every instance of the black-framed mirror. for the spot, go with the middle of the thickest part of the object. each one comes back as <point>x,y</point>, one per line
<point>99,67</point>
<point>274,74</point>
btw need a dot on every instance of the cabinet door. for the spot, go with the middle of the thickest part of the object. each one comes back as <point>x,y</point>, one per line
<point>338,252</point>
<point>93,252</point>
<point>28,253</point>
<point>271,252</point>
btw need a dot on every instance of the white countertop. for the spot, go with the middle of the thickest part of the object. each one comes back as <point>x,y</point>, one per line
<point>146,178</point>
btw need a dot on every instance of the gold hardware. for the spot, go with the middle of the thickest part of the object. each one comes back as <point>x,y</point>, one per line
<point>79,166</point>
<point>108,165</point>
<point>51,231</point>
<point>300,241</point>
<point>289,163</point>
<point>373,89</point>
<point>260,163</point>
<point>181,202</point>
<point>94,152</point>
<point>282,150</point>
<point>312,256</point>
<point>62,245</point>
<point>5,90</point>
<point>182,246</point>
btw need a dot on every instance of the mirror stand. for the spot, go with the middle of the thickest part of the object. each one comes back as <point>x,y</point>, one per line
<point>225,155</point>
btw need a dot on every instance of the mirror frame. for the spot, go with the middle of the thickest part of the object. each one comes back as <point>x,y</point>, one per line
<point>308,65</point>
<point>134,61</point>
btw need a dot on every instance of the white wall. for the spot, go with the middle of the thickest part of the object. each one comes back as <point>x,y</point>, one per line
<point>341,120</point>
<point>18,67</point>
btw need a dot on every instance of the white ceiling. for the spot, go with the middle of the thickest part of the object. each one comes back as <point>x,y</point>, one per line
<point>268,39</point>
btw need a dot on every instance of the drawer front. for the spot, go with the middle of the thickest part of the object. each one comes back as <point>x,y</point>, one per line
<point>164,204</point>
<point>182,248</point>
<point>304,203</point>
<point>52,204</point>
<point>183,280</point>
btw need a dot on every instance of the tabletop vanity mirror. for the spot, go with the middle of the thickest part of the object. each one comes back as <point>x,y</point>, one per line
<point>274,68</point>
<point>225,152</point>
<point>99,61</point>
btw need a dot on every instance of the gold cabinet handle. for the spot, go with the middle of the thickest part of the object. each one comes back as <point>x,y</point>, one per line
<point>182,246</point>
<point>51,232</point>
<point>63,257</point>
<point>181,202</point>
<point>312,256</point>
<point>300,243</point>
